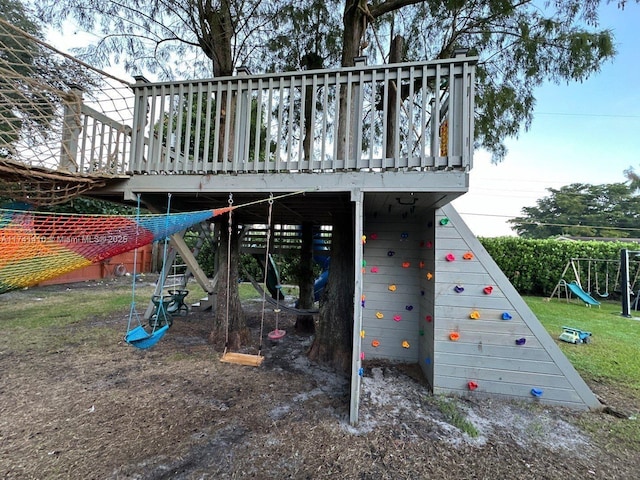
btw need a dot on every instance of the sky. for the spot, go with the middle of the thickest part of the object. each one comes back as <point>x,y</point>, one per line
<point>585,132</point>
<point>581,133</point>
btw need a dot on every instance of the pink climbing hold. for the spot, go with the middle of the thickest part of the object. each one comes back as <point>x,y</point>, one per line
<point>397,318</point>
<point>487,290</point>
<point>450,257</point>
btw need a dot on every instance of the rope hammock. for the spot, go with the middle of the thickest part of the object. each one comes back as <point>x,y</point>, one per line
<point>39,246</point>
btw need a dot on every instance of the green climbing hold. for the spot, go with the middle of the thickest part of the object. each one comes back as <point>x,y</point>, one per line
<point>444,221</point>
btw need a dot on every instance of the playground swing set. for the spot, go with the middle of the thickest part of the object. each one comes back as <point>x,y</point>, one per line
<point>587,280</point>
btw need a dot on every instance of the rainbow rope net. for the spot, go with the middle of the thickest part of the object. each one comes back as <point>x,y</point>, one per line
<point>35,247</point>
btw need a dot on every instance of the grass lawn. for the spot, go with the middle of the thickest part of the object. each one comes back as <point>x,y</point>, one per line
<point>613,354</point>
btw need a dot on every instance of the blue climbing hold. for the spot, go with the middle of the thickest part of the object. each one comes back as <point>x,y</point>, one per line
<point>537,392</point>
<point>506,316</point>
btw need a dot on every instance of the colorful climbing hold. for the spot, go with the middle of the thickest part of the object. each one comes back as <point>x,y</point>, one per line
<point>406,264</point>
<point>374,269</point>
<point>429,275</point>
<point>427,360</point>
<point>537,392</point>
<point>373,236</point>
<point>364,263</point>
<point>390,253</point>
<point>362,299</point>
<point>428,318</point>
<point>521,341</point>
<point>506,316</point>
<point>450,257</point>
<point>361,372</point>
<point>429,244</point>
<point>458,289</point>
<point>405,344</point>
<point>468,256</point>
<point>392,288</point>
<point>404,236</point>
<point>421,333</point>
<point>361,333</point>
<point>454,336</point>
<point>420,264</point>
<point>364,239</point>
<point>444,221</point>
<point>487,290</point>
<point>397,318</point>
<point>408,307</point>
<point>375,344</point>
<point>474,315</point>
<point>361,355</point>
<point>379,315</point>
<point>472,385</point>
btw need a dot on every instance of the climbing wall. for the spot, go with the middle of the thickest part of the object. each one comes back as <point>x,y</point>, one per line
<point>391,287</point>
<point>486,339</point>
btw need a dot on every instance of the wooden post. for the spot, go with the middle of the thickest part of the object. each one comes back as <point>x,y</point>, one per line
<point>71,128</point>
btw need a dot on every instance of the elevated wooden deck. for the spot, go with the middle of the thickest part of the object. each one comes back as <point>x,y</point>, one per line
<point>392,128</point>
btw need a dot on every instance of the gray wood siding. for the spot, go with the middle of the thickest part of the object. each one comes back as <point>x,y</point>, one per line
<point>402,237</point>
<point>486,352</point>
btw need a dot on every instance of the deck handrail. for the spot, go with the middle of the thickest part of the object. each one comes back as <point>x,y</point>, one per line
<point>309,121</point>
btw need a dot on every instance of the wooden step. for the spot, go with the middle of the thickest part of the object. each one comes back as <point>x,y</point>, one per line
<point>206,303</point>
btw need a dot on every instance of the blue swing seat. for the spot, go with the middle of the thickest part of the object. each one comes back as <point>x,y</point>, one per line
<point>140,338</point>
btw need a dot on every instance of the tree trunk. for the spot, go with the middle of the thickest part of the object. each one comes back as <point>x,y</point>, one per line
<point>229,324</point>
<point>304,323</point>
<point>334,335</point>
<point>395,56</point>
<point>355,23</point>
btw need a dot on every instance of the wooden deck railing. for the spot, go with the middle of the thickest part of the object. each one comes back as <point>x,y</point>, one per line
<point>414,116</point>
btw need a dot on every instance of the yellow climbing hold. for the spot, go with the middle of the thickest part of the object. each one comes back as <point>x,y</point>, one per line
<point>474,315</point>
<point>405,344</point>
<point>392,288</point>
<point>379,315</point>
<point>361,333</point>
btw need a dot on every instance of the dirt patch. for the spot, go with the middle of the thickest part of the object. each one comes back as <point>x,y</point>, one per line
<point>97,408</point>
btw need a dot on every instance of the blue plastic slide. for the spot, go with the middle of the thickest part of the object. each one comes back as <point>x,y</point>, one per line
<point>581,294</point>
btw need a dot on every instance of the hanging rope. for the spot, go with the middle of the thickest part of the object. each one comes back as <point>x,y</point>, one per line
<point>229,232</point>
<point>138,336</point>
<point>132,310</point>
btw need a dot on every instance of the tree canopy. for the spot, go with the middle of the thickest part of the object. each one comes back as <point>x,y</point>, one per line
<point>608,210</point>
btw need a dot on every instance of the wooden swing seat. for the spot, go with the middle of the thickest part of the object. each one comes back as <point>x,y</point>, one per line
<point>242,359</point>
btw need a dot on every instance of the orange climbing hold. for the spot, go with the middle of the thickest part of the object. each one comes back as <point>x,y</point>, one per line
<point>468,256</point>
<point>375,344</point>
<point>454,336</point>
<point>474,315</point>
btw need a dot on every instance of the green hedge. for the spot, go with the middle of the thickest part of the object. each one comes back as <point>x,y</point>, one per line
<point>535,266</point>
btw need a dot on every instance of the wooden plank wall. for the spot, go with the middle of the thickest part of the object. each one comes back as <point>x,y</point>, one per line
<point>480,322</point>
<point>426,321</point>
<point>391,287</point>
